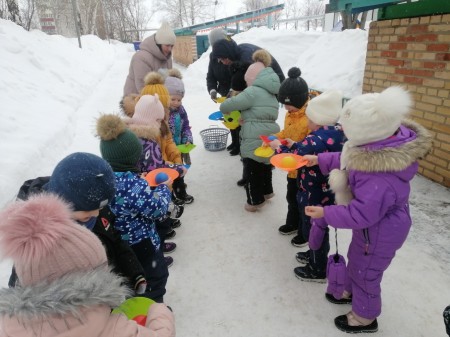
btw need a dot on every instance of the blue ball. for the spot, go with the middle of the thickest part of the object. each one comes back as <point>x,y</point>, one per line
<point>272,137</point>
<point>161,177</point>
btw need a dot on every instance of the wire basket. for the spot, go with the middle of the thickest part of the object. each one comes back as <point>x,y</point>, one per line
<point>215,139</point>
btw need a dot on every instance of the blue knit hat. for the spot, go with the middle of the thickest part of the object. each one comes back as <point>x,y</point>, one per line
<point>84,180</point>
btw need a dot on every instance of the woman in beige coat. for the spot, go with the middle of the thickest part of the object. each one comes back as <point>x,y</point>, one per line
<point>66,287</point>
<point>155,53</point>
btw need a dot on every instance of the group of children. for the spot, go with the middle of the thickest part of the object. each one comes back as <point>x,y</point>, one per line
<point>107,199</point>
<point>360,161</point>
<point>361,158</point>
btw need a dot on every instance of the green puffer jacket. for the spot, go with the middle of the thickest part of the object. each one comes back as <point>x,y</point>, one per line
<point>259,112</point>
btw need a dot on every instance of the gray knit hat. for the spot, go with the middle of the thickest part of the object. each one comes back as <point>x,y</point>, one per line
<point>216,35</point>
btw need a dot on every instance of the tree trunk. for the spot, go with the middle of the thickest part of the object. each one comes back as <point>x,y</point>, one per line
<point>13,10</point>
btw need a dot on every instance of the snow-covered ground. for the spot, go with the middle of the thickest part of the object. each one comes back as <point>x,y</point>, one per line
<point>233,273</point>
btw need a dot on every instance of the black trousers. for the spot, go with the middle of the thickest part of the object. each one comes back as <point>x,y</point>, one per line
<point>259,181</point>
<point>178,187</point>
<point>235,141</point>
<point>155,267</point>
<point>293,215</point>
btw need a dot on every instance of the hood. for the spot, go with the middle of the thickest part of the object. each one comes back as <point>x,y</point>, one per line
<point>394,154</point>
<point>268,80</point>
<point>145,132</point>
<point>65,296</point>
<point>149,45</point>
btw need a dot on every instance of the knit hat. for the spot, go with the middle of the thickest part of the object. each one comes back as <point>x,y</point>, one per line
<point>238,70</point>
<point>148,111</point>
<point>173,82</point>
<point>293,90</point>
<point>372,117</point>
<point>226,49</point>
<point>165,35</point>
<point>44,243</point>
<point>84,180</point>
<point>154,84</point>
<point>325,108</point>
<point>119,146</point>
<point>262,59</point>
<point>216,35</point>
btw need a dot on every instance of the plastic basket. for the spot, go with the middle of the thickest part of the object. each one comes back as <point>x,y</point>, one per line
<point>215,139</point>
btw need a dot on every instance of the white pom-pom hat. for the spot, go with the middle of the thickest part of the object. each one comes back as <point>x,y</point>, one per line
<point>372,117</point>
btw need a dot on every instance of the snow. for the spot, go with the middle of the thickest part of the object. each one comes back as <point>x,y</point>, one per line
<point>233,272</point>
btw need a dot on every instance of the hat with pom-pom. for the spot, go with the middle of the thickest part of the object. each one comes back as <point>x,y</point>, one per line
<point>325,108</point>
<point>154,84</point>
<point>216,34</point>
<point>173,83</point>
<point>238,70</point>
<point>294,89</point>
<point>128,103</point>
<point>119,146</point>
<point>149,111</point>
<point>44,242</point>
<point>165,35</point>
<point>376,116</point>
<point>84,180</point>
<point>262,59</point>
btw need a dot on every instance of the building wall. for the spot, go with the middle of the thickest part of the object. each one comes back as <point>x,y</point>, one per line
<point>415,53</point>
<point>185,50</point>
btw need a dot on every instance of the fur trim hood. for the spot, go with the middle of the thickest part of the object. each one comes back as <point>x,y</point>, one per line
<point>391,159</point>
<point>65,296</point>
<point>145,132</point>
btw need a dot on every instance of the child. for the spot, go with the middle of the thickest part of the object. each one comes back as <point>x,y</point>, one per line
<point>294,95</point>
<point>179,124</point>
<point>322,113</point>
<point>238,84</point>
<point>372,190</point>
<point>66,287</point>
<point>87,183</point>
<point>154,84</point>
<point>135,205</point>
<point>146,124</point>
<point>259,112</point>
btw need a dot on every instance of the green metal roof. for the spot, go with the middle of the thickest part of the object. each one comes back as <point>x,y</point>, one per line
<point>357,6</point>
<point>191,30</point>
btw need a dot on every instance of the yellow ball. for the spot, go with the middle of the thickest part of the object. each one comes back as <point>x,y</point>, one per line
<point>288,162</point>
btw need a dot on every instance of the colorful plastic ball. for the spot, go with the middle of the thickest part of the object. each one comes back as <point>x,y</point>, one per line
<point>288,161</point>
<point>161,177</point>
<point>272,137</point>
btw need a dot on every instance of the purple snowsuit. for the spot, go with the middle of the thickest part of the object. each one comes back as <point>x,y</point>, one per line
<point>379,176</point>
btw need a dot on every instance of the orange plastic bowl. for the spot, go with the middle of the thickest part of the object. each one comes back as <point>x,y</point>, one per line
<point>151,176</point>
<point>288,161</point>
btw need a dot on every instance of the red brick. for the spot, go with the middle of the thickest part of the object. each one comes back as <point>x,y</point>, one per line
<point>426,73</point>
<point>406,38</point>
<point>434,65</point>
<point>394,62</point>
<point>438,47</point>
<point>397,46</point>
<point>386,53</point>
<point>404,71</point>
<point>415,80</point>
<point>427,37</point>
<point>414,29</point>
<point>443,57</point>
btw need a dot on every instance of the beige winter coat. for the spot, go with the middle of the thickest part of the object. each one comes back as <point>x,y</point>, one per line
<point>148,58</point>
<point>77,305</point>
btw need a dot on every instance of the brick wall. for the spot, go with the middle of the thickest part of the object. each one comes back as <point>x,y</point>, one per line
<point>185,50</point>
<point>415,53</point>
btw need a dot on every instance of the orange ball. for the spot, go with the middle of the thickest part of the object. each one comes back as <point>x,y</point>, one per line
<point>288,162</point>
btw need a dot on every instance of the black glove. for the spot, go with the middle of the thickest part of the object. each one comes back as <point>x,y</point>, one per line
<point>213,94</point>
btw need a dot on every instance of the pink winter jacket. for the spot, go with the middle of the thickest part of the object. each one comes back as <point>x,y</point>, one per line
<point>77,305</point>
<point>148,58</point>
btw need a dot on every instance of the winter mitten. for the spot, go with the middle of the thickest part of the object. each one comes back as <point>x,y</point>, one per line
<point>317,233</point>
<point>275,144</point>
<point>213,94</point>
